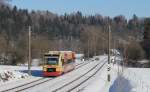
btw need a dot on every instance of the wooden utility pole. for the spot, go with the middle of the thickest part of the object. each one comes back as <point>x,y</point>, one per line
<point>29,57</point>
<point>114,48</point>
<point>108,69</point>
<point>88,48</point>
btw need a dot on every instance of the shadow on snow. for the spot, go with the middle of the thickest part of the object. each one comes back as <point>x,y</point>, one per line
<point>36,73</point>
<point>120,85</point>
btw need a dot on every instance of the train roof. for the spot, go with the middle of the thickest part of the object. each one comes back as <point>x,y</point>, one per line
<point>57,52</point>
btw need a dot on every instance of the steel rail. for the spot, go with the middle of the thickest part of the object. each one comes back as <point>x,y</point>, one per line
<point>67,84</point>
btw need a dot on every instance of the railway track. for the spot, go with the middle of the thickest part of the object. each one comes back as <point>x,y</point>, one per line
<point>68,88</point>
<point>85,80</point>
<point>28,85</point>
<point>36,82</point>
<point>81,64</point>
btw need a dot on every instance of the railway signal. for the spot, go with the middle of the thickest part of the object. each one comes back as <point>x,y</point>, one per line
<point>108,69</point>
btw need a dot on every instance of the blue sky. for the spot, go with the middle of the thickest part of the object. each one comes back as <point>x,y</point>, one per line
<point>104,7</point>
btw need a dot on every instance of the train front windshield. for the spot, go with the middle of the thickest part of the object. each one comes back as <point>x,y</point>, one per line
<point>52,60</point>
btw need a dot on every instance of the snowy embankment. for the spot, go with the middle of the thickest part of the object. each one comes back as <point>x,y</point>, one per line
<point>13,73</point>
<point>139,79</point>
<point>131,80</point>
<point>10,75</point>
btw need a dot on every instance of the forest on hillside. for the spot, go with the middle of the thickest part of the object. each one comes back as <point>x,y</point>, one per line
<point>75,31</point>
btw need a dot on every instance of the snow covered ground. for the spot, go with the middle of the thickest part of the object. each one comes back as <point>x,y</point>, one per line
<point>139,79</point>
<point>11,73</point>
<point>131,80</point>
<point>123,79</point>
<point>11,76</point>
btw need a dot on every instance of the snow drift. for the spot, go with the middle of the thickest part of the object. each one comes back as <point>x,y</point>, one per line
<point>10,75</point>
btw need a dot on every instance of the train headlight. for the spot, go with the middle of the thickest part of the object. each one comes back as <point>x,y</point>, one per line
<point>44,68</point>
<point>58,69</point>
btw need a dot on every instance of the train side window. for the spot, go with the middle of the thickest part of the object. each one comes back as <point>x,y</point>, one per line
<point>70,61</point>
<point>67,62</point>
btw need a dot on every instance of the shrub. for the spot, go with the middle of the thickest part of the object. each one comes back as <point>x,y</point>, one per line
<point>135,51</point>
